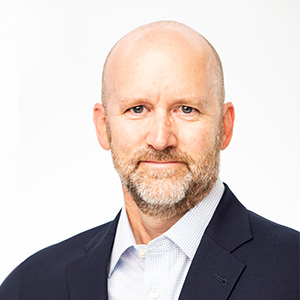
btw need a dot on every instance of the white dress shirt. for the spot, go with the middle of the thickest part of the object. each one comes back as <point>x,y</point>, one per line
<point>158,270</point>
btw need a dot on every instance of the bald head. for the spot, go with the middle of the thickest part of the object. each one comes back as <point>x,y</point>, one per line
<point>180,43</point>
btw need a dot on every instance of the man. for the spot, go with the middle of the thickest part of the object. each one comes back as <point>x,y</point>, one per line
<point>182,233</point>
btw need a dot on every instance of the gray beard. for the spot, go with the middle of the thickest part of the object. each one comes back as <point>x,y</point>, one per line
<point>172,193</point>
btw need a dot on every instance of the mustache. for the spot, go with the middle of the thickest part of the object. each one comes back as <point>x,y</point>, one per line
<point>167,154</point>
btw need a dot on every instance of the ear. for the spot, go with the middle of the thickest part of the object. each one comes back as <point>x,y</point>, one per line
<point>228,121</point>
<point>100,124</point>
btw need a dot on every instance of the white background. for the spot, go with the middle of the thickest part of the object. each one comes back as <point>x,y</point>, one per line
<point>56,181</point>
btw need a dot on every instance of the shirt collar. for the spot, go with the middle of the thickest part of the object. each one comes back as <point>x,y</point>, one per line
<point>195,221</point>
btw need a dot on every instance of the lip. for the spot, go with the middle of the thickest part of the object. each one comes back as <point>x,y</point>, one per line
<point>161,164</point>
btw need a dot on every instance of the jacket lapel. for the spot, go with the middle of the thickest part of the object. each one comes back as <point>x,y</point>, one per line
<point>213,273</point>
<point>215,270</point>
<point>87,276</point>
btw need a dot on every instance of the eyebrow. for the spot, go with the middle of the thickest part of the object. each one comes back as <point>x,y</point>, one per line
<point>125,103</point>
<point>201,103</point>
<point>189,101</point>
<point>130,101</point>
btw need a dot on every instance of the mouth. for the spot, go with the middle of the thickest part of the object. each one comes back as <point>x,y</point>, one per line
<point>161,164</point>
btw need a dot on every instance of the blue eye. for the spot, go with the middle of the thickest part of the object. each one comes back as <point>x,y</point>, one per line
<point>186,109</point>
<point>138,109</point>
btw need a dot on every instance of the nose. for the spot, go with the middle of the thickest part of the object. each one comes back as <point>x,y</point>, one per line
<point>161,132</point>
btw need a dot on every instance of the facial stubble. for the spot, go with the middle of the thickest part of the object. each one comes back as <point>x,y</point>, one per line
<point>170,192</point>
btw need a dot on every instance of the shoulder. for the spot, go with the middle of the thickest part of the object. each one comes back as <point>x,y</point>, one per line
<point>69,249</point>
<point>271,258</point>
<point>273,234</point>
<point>259,226</point>
<point>46,268</point>
<point>269,251</point>
<point>256,240</point>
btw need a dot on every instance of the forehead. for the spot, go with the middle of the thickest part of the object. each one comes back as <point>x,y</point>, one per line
<point>167,63</point>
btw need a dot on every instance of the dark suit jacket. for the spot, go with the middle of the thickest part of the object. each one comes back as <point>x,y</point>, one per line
<point>241,257</point>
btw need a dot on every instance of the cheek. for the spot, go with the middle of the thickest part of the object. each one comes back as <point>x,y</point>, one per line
<point>125,137</point>
<point>197,138</point>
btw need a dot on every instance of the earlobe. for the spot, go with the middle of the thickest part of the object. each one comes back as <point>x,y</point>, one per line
<point>100,125</point>
<point>228,121</point>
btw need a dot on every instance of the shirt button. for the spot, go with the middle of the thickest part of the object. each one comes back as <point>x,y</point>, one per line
<point>142,253</point>
<point>154,294</point>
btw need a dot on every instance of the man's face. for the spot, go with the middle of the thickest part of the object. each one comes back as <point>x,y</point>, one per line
<point>164,128</point>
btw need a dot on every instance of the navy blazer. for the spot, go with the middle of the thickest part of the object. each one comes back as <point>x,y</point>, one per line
<point>242,256</point>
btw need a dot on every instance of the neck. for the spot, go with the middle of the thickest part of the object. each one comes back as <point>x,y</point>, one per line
<point>145,228</point>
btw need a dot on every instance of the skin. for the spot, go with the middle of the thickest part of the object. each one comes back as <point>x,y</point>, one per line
<point>159,95</point>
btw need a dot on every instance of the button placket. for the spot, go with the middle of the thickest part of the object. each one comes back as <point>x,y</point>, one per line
<point>154,294</point>
<point>142,253</point>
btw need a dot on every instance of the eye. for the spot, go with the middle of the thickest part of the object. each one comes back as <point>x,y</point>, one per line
<point>186,109</point>
<point>137,109</point>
